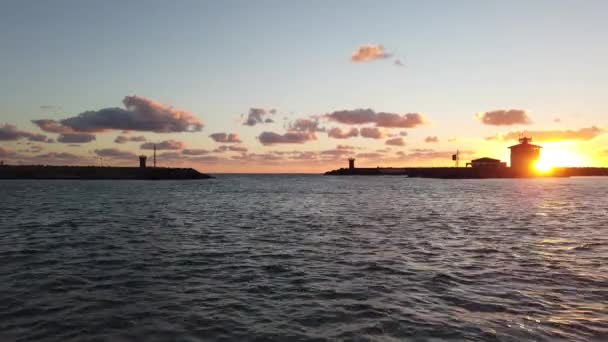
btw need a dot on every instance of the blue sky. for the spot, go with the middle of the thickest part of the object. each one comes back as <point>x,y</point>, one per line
<point>218,59</point>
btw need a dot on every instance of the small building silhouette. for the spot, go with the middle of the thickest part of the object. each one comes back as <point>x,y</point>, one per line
<point>487,163</point>
<point>142,161</point>
<point>351,163</point>
<point>524,155</point>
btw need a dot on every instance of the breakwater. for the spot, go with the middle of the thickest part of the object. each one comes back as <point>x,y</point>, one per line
<point>468,173</point>
<point>96,172</point>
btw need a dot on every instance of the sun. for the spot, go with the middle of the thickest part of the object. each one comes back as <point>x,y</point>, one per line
<point>543,166</point>
<point>559,155</point>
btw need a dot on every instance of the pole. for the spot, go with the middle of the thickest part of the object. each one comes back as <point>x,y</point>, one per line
<point>154,155</point>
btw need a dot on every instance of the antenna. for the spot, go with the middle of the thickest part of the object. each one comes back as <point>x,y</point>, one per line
<point>154,155</point>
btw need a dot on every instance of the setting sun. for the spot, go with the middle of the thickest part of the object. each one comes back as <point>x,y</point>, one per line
<point>559,155</point>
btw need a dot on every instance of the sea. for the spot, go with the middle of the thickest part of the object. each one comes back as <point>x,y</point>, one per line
<point>304,258</point>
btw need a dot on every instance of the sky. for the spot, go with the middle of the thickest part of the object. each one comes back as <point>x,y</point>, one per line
<point>300,86</point>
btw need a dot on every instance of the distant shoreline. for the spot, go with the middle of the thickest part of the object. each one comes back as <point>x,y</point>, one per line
<point>98,172</point>
<point>469,173</point>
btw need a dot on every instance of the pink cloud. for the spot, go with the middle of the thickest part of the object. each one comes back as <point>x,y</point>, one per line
<point>431,139</point>
<point>10,132</point>
<point>505,117</point>
<point>163,145</point>
<point>194,152</point>
<point>121,139</point>
<point>366,53</point>
<point>582,134</point>
<point>372,132</point>
<point>365,116</point>
<point>226,138</point>
<point>338,133</point>
<point>75,138</point>
<point>271,138</point>
<point>395,142</point>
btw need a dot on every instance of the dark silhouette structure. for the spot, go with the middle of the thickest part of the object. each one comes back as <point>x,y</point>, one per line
<point>487,163</point>
<point>142,161</point>
<point>524,155</point>
<point>351,163</point>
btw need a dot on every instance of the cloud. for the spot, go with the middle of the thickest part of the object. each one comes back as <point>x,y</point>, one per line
<point>431,139</point>
<point>225,148</point>
<point>409,120</point>
<point>398,63</point>
<point>582,134</point>
<point>395,142</point>
<point>306,125</point>
<point>353,117</point>
<point>429,154</point>
<point>116,154</point>
<point>5,153</point>
<point>370,155</point>
<point>270,138</point>
<point>163,145</point>
<point>52,126</point>
<point>10,132</point>
<point>75,138</point>
<point>237,148</point>
<point>345,147</point>
<point>194,152</point>
<point>258,116</point>
<point>338,133</point>
<point>403,133</point>
<point>366,53</point>
<point>225,138</point>
<point>505,117</point>
<point>557,120</point>
<point>141,114</point>
<point>372,132</point>
<point>55,158</point>
<point>121,139</point>
<point>365,116</point>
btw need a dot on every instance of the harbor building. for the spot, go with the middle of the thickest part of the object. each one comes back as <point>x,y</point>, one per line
<point>487,163</point>
<point>524,155</point>
<point>351,163</point>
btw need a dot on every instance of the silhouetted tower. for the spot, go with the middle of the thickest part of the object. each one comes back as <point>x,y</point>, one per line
<point>524,155</point>
<point>154,155</point>
<point>351,163</point>
<point>142,161</point>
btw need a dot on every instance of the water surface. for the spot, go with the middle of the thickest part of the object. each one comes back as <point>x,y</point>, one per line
<point>303,258</point>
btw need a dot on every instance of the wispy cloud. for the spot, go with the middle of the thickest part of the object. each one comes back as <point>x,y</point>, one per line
<point>582,134</point>
<point>10,132</point>
<point>381,119</point>
<point>291,137</point>
<point>395,142</point>
<point>505,117</point>
<point>372,133</point>
<point>338,133</point>
<point>163,145</point>
<point>121,139</point>
<point>226,138</point>
<point>75,138</point>
<point>114,153</point>
<point>369,52</point>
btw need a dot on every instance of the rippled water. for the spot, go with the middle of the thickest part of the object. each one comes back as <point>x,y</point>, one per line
<point>291,258</point>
